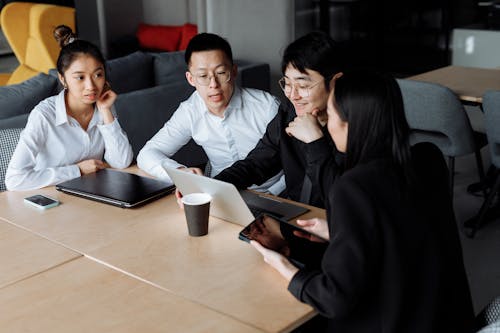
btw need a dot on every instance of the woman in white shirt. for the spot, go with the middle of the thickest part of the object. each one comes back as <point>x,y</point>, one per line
<point>69,135</point>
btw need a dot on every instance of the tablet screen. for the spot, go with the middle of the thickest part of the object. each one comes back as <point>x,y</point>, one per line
<point>276,235</point>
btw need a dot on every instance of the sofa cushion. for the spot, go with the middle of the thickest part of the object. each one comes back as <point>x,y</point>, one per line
<point>188,31</point>
<point>169,67</point>
<point>18,99</point>
<point>142,113</point>
<point>131,72</point>
<point>159,37</point>
<point>14,122</point>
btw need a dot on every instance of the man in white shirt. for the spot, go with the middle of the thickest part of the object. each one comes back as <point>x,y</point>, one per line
<point>227,121</point>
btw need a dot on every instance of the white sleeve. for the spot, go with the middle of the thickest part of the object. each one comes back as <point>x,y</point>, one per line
<point>117,149</point>
<point>155,155</point>
<point>274,107</point>
<point>278,187</point>
<point>21,173</point>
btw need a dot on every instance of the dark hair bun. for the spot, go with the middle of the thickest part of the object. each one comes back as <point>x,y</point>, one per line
<point>64,35</point>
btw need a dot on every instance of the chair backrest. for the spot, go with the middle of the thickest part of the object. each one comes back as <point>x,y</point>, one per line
<point>9,138</point>
<point>491,108</point>
<point>489,317</point>
<point>28,27</point>
<point>435,114</point>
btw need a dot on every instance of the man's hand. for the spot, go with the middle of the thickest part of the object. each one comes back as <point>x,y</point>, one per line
<point>305,128</point>
<point>197,171</point>
<point>178,194</point>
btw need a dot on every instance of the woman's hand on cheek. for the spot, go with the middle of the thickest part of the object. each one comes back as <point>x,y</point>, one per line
<point>106,99</point>
<point>104,104</point>
<point>277,261</point>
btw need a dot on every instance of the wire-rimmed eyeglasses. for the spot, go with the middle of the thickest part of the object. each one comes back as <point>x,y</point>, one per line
<point>302,88</point>
<point>220,76</point>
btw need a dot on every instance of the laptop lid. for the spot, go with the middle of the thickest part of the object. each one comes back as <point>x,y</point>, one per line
<point>230,204</point>
<point>116,188</point>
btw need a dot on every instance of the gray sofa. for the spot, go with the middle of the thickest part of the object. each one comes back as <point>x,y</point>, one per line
<point>150,87</point>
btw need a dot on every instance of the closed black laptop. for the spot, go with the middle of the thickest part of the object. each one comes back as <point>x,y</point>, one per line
<point>116,188</point>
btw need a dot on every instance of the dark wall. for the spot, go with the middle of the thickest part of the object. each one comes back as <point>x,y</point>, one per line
<point>67,3</point>
<point>405,36</point>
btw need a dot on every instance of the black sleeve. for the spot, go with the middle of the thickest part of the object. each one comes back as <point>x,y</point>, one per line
<point>261,163</point>
<point>323,164</point>
<point>350,259</point>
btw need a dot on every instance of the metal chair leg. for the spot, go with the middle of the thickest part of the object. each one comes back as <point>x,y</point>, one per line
<point>479,162</point>
<point>473,224</point>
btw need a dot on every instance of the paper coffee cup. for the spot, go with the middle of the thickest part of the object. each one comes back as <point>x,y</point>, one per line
<point>197,209</point>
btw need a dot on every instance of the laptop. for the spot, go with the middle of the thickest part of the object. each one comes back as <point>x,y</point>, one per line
<point>116,188</point>
<point>240,207</point>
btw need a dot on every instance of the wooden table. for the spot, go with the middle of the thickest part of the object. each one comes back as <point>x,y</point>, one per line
<point>85,296</point>
<point>467,82</point>
<point>24,254</point>
<point>151,244</point>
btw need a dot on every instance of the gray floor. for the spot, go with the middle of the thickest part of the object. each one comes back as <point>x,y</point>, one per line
<point>481,254</point>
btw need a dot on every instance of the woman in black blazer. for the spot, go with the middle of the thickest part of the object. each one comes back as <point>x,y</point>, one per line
<point>394,260</point>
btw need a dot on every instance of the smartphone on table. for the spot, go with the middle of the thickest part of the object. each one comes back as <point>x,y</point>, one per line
<point>41,201</point>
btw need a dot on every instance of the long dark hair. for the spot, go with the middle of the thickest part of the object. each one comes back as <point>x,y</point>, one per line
<point>72,47</point>
<point>372,105</point>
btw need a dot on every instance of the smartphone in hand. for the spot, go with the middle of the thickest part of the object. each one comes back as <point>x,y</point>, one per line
<point>41,201</point>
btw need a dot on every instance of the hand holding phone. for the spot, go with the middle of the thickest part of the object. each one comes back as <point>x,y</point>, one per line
<point>266,231</point>
<point>41,201</point>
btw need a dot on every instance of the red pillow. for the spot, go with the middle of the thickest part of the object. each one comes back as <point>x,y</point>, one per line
<point>159,37</point>
<point>188,31</point>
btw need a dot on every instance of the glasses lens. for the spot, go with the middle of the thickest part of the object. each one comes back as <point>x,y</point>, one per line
<point>223,77</point>
<point>285,85</point>
<point>220,77</point>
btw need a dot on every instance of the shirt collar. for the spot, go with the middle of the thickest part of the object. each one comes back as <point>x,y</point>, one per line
<point>236,102</point>
<point>62,116</point>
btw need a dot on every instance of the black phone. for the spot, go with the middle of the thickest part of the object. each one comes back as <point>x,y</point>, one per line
<point>276,235</point>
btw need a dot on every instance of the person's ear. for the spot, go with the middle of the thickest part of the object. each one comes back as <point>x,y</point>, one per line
<point>63,82</point>
<point>234,72</point>
<point>190,79</point>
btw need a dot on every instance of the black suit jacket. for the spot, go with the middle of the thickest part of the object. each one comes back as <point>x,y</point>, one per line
<point>394,261</point>
<point>276,151</point>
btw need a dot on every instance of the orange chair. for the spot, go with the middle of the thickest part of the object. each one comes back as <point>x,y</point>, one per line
<point>28,27</point>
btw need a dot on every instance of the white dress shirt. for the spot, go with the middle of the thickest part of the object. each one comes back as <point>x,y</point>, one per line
<point>225,139</point>
<point>53,143</point>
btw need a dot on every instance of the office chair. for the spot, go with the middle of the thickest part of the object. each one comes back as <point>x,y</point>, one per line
<point>491,108</point>
<point>28,27</point>
<point>488,320</point>
<point>9,138</point>
<point>435,114</point>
